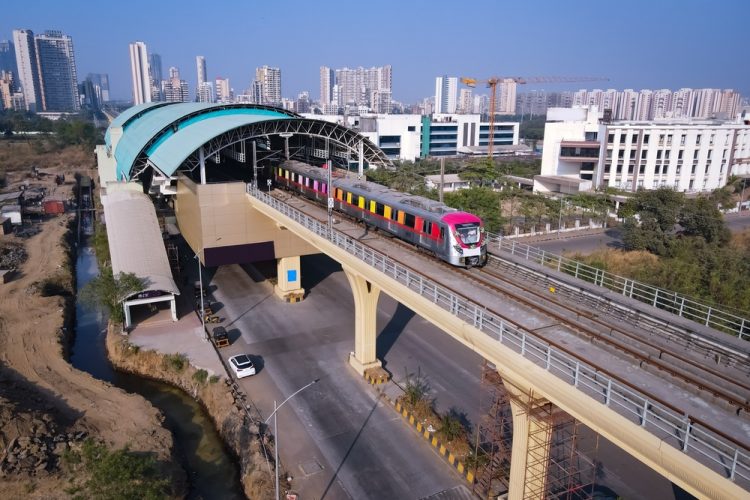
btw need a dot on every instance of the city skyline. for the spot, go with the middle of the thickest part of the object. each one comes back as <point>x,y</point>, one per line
<point>647,46</point>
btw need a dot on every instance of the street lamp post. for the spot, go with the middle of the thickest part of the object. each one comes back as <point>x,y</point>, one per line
<point>275,429</point>
<point>204,334</point>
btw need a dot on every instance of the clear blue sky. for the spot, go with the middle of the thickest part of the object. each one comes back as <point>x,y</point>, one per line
<point>636,44</point>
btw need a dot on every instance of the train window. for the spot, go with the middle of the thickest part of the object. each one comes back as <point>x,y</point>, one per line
<point>442,233</point>
<point>349,198</point>
<point>409,219</point>
<point>401,214</point>
<point>379,209</point>
<point>286,174</point>
<point>426,227</point>
<point>387,212</point>
<point>339,194</point>
<point>372,206</point>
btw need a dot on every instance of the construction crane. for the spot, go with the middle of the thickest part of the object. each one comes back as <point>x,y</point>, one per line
<point>494,80</point>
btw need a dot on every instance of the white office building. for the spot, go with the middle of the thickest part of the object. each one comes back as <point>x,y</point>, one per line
<point>267,85</point>
<point>582,152</point>
<point>223,90</point>
<point>139,73</point>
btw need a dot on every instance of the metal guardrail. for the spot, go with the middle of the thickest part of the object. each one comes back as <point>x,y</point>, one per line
<point>666,300</point>
<point>672,427</point>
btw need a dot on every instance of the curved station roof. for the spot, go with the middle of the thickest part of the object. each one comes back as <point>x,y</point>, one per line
<point>164,135</point>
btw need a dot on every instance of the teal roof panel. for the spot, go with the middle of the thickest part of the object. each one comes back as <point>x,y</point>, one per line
<point>168,154</point>
<point>157,126</point>
<point>123,118</point>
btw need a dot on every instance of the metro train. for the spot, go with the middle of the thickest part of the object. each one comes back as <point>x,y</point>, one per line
<point>453,236</point>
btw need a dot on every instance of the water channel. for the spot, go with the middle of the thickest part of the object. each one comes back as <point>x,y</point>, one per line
<point>212,473</point>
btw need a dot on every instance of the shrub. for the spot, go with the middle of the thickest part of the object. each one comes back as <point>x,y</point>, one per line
<point>176,362</point>
<point>200,376</point>
<point>213,379</point>
<point>451,427</point>
<point>116,474</point>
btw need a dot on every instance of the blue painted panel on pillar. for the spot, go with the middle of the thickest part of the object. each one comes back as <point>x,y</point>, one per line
<point>291,275</point>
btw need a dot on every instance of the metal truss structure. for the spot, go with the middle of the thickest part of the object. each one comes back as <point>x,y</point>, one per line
<point>324,140</point>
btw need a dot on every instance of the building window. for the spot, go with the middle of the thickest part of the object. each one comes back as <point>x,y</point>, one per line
<point>692,182</point>
<point>643,154</point>
<point>610,138</point>
<point>592,136</point>
<point>678,170</point>
<point>658,155</point>
<point>619,169</point>
<point>724,154</point>
<point>695,154</point>
<point>412,128</point>
<point>607,166</point>
<point>679,154</point>
<point>698,140</point>
<point>692,170</point>
<point>640,183</point>
<point>669,140</point>
<point>666,154</point>
<point>711,139</point>
<point>682,140</point>
<point>661,139</point>
<point>706,169</point>
<point>641,168</point>
<point>656,169</point>
<point>632,154</point>
<point>621,154</point>
<point>630,168</point>
<point>645,139</point>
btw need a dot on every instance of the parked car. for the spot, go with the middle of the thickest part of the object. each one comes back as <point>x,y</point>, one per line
<point>242,365</point>
<point>221,339</point>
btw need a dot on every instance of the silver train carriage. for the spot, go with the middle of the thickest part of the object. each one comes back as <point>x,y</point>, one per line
<point>454,236</point>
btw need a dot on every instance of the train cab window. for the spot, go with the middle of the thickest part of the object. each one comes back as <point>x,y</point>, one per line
<point>379,209</point>
<point>426,227</point>
<point>409,220</point>
<point>442,233</point>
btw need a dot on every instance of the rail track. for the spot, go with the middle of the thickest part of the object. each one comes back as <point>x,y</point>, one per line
<point>735,398</point>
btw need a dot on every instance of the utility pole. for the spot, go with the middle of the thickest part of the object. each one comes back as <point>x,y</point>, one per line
<point>329,186</point>
<point>442,178</point>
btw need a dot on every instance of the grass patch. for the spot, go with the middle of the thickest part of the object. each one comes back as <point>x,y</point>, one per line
<point>200,376</point>
<point>176,362</point>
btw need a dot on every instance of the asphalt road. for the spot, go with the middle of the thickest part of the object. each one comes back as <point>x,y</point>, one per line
<point>336,439</point>
<point>611,238</point>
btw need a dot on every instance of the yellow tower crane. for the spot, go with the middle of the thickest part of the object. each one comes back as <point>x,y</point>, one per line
<point>494,80</point>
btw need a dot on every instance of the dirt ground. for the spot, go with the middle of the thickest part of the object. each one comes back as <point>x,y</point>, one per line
<point>47,397</point>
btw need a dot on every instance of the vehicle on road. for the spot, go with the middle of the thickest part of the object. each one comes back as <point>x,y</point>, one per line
<point>242,365</point>
<point>220,337</point>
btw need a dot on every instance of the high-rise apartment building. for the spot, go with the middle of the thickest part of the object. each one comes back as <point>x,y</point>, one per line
<point>7,56</point>
<point>203,89</point>
<point>356,87</point>
<point>505,103</point>
<point>57,71</point>
<point>223,90</point>
<point>446,91</point>
<point>465,101</point>
<point>139,72</point>
<point>268,89</point>
<point>327,81</point>
<point>28,69</point>
<point>174,88</point>
<point>156,77</point>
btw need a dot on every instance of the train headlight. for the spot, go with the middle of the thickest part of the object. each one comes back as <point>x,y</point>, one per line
<point>458,249</point>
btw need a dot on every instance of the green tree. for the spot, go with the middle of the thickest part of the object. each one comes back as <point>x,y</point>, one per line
<point>700,217</point>
<point>108,291</point>
<point>482,202</point>
<point>481,172</point>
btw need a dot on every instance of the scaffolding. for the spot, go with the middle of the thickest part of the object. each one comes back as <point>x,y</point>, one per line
<point>556,468</point>
<point>554,452</point>
<point>493,437</point>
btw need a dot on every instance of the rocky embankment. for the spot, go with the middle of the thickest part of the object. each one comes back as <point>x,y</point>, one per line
<point>239,432</point>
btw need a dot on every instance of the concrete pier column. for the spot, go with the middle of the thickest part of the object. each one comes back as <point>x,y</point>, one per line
<point>173,308</point>
<point>289,276</point>
<point>532,439</point>
<point>202,161</point>
<point>365,322</point>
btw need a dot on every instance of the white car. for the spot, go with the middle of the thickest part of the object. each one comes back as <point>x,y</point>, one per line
<point>242,365</point>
